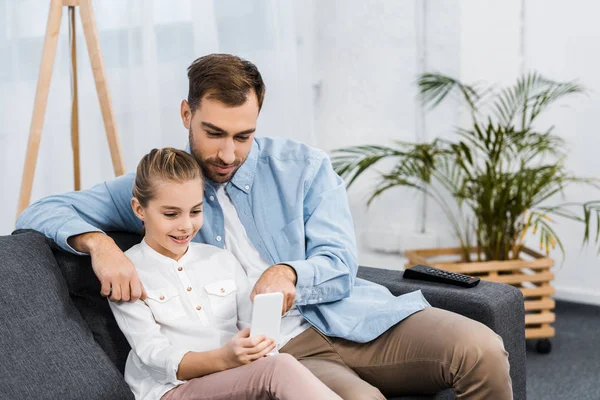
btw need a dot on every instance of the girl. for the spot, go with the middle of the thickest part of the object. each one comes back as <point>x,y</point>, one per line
<point>188,336</point>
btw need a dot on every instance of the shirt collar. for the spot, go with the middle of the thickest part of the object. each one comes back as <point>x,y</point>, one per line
<point>150,252</point>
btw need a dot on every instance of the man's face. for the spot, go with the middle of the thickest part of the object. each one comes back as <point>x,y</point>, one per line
<point>221,136</point>
<point>173,217</point>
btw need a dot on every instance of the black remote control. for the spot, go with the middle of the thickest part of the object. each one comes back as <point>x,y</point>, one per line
<point>426,273</point>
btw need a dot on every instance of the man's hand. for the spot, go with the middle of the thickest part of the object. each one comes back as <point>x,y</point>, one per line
<point>116,273</point>
<point>278,278</point>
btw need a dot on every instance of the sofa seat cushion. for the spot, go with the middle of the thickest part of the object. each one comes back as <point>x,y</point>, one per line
<point>46,347</point>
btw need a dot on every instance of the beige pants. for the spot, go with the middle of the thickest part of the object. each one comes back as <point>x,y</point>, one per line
<point>275,377</point>
<point>429,351</point>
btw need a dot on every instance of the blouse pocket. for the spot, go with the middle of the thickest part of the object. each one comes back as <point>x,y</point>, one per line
<point>222,298</point>
<point>165,304</point>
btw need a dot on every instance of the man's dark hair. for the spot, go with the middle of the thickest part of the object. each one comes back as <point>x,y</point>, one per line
<point>226,78</point>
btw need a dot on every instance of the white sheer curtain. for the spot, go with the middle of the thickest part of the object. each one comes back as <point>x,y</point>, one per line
<point>147,46</point>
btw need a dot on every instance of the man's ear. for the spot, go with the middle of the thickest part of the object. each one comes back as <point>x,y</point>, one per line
<point>186,114</point>
<point>137,208</point>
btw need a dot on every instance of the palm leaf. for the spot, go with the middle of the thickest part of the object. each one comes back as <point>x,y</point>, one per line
<point>529,97</point>
<point>435,87</point>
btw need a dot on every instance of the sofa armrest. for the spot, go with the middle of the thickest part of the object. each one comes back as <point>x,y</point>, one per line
<point>498,306</point>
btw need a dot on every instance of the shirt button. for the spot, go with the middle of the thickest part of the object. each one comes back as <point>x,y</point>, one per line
<point>222,290</point>
<point>211,198</point>
<point>247,187</point>
<point>162,297</point>
<point>218,238</point>
<point>180,269</point>
<point>198,308</point>
<point>189,289</point>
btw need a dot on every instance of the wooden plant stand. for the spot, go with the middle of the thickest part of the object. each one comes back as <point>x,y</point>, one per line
<point>531,275</point>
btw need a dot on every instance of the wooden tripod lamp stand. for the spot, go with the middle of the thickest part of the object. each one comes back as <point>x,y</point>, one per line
<point>43,86</point>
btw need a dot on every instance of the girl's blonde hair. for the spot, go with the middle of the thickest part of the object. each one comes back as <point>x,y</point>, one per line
<point>167,165</point>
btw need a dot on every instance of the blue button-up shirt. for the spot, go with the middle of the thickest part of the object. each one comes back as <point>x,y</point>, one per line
<point>295,211</point>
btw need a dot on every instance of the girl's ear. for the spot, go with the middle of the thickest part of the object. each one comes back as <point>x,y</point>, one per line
<point>137,208</point>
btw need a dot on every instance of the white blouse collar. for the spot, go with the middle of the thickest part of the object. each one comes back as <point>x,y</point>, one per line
<point>149,251</point>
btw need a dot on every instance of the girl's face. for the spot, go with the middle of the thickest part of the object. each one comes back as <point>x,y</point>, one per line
<point>172,217</point>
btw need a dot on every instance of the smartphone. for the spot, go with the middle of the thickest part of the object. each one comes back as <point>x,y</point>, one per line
<point>266,316</point>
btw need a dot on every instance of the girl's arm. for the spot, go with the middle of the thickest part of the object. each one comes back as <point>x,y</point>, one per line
<point>196,364</point>
<point>166,363</point>
<point>240,350</point>
<point>172,364</point>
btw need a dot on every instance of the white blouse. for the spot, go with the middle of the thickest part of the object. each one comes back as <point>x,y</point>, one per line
<point>195,304</point>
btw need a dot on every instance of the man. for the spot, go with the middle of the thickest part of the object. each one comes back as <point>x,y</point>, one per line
<point>279,207</point>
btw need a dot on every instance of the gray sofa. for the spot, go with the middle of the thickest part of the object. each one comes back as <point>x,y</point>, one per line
<point>58,339</point>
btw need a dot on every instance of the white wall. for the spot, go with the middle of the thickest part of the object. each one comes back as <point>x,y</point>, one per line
<point>562,42</point>
<point>368,58</point>
<point>367,61</point>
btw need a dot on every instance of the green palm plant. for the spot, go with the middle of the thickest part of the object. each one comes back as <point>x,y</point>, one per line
<point>499,172</point>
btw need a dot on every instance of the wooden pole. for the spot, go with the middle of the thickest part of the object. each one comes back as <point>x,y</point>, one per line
<point>74,104</point>
<point>41,99</point>
<point>93,45</point>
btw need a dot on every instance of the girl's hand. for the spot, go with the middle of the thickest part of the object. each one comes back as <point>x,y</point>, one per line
<point>242,349</point>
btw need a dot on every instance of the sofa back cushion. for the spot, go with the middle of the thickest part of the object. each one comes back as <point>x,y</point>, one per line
<point>46,347</point>
<point>84,289</point>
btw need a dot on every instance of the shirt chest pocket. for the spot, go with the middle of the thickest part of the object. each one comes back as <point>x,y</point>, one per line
<point>165,304</point>
<point>222,298</point>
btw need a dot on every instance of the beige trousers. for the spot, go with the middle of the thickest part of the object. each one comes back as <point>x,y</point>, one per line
<point>429,351</point>
<point>275,377</point>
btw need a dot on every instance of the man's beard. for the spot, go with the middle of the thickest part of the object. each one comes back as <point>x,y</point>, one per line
<point>205,164</point>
